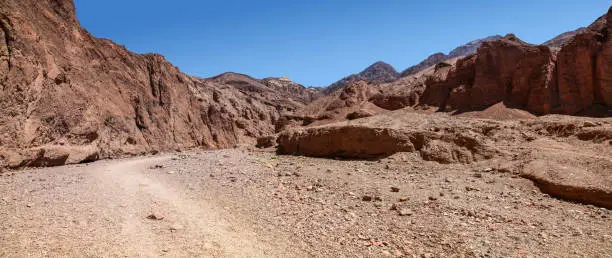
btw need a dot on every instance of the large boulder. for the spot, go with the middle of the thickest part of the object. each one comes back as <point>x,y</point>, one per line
<point>580,171</point>
<point>571,182</point>
<point>385,135</point>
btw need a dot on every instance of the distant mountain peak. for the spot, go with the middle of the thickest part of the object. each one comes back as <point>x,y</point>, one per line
<point>381,64</point>
<point>378,68</point>
<point>463,50</point>
<point>565,37</point>
<point>471,47</point>
<point>378,72</point>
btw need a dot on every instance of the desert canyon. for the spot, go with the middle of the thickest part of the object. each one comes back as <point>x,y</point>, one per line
<point>498,148</point>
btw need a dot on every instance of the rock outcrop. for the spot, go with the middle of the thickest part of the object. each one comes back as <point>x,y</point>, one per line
<point>571,80</point>
<point>570,75</point>
<point>68,97</point>
<point>384,135</point>
<point>349,102</point>
<point>566,157</point>
<point>292,89</point>
<point>570,183</point>
<point>576,172</point>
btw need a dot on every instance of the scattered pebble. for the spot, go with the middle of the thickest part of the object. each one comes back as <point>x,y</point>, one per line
<point>395,207</point>
<point>469,188</point>
<point>588,124</point>
<point>405,212</point>
<point>154,216</point>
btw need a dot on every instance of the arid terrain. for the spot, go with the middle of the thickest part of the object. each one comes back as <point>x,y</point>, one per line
<point>490,199</point>
<point>500,148</point>
<point>245,202</point>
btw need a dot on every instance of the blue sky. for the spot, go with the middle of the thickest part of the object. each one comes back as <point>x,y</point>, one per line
<point>316,42</point>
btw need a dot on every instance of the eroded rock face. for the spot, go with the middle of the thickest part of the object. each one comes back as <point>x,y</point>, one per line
<point>575,69</point>
<point>570,78</point>
<point>535,78</point>
<point>442,88</point>
<point>496,64</point>
<point>266,142</point>
<point>566,157</point>
<point>569,183</point>
<point>348,142</point>
<point>381,136</point>
<point>63,90</point>
<point>5,54</point>
<point>604,65</point>
<point>293,90</point>
<point>570,172</point>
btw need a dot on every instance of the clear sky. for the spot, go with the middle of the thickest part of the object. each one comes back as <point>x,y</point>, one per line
<point>316,42</point>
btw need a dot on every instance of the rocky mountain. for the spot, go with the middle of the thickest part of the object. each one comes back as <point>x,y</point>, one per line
<point>378,72</point>
<point>292,89</point>
<point>562,38</point>
<point>565,37</point>
<point>381,72</point>
<point>471,47</point>
<point>572,80</point>
<point>429,61</point>
<point>463,50</point>
<point>503,78</point>
<point>279,92</point>
<point>68,97</point>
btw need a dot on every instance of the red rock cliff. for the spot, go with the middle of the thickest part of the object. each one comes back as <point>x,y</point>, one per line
<point>570,81</point>
<point>68,97</point>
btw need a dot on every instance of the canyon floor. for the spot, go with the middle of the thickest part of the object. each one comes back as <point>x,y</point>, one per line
<point>248,202</point>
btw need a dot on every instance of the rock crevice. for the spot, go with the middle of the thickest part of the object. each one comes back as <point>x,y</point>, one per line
<point>5,47</point>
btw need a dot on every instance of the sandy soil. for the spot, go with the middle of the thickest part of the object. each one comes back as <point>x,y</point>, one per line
<point>240,202</point>
<point>103,209</point>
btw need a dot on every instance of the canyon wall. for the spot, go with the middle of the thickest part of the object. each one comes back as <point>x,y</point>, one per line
<point>68,97</point>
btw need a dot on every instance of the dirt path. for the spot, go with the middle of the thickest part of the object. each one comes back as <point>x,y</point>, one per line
<point>102,209</point>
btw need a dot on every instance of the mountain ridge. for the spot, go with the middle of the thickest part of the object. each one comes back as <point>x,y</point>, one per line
<point>378,72</point>
<point>463,50</point>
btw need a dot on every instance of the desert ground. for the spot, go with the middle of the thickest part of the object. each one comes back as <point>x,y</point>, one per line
<point>252,203</point>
